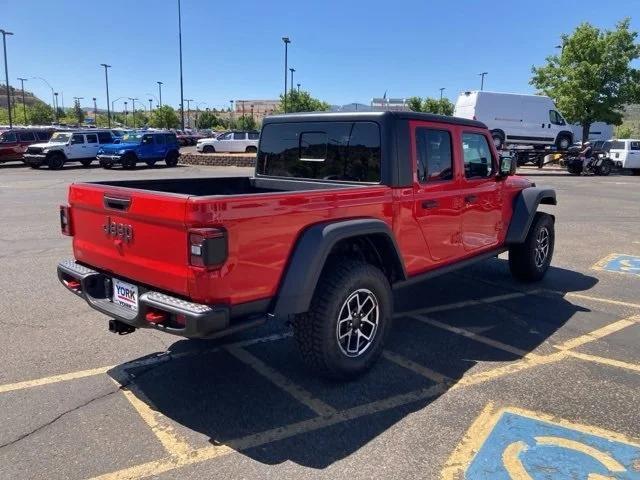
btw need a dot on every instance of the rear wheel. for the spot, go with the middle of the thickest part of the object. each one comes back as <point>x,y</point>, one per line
<point>208,149</point>
<point>604,169</point>
<point>343,333</point>
<point>635,171</point>
<point>530,260</point>
<point>86,163</point>
<point>574,168</point>
<point>55,161</point>
<point>251,150</point>
<point>172,159</point>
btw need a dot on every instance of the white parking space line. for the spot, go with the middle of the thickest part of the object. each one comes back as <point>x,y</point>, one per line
<point>275,377</point>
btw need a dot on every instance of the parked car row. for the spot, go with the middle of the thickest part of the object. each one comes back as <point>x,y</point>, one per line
<point>87,146</point>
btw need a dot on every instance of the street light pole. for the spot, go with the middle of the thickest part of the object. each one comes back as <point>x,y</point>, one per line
<point>286,67</point>
<point>298,88</point>
<point>160,92</point>
<point>106,79</point>
<point>230,113</point>
<point>180,47</point>
<point>125,114</point>
<point>24,105</point>
<point>95,112</point>
<point>442,89</point>
<point>292,70</point>
<point>150,105</point>
<point>482,79</point>
<point>133,109</point>
<point>55,96</point>
<point>6,72</point>
<point>50,87</point>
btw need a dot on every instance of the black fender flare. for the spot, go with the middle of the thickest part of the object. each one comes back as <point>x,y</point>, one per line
<point>310,254</point>
<point>525,207</point>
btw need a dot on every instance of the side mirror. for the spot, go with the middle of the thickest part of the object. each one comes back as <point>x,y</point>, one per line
<point>507,166</point>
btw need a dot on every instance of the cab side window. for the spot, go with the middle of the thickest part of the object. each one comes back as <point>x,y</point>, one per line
<point>92,138</point>
<point>147,140</point>
<point>27,137</point>
<point>635,146</point>
<point>434,159</point>
<point>239,135</point>
<point>478,161</point>
<point>555,118</point>
<point>160,139</point>
<point>77,139</point>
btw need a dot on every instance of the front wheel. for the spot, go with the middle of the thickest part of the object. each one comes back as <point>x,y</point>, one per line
<point>604,169</point>
<point>129,161</point>
<point>208,149</point>
<point>172,159</point>
<point>56,161</point>
<point>563,142</point>
<point>530,260</point>
<point>343,333</point>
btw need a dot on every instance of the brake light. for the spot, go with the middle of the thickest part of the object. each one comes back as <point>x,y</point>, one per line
<point>65,220</point>
<point>207,247</point>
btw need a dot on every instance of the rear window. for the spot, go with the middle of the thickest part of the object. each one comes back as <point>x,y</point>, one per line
<point>105,137</point>
<point>170,138</point>
<point>617,145</point>
<point>347,151</point>
<point>43,135</point>
<point>254,135</point>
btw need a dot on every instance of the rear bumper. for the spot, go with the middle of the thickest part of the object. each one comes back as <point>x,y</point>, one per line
<point>198,320</point>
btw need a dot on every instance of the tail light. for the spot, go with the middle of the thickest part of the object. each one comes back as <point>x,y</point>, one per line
<point>65,220</point>
<point>207,247</point>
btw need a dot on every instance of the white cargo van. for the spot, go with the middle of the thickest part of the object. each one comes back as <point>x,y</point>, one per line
<point>625,153</point>
<point>597,131</point>
<point>516,119</point>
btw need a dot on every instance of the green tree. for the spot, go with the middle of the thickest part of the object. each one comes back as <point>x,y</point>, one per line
<point>164,117</point>
<point>431,105</point>
<point>592,78</point>
<point>207,120</point>
<point>78,113</point>
<point>624,131</point>
<point>40,114</point>
<point>245,122</point>
<point>302,101</point>
<point>141,118</point>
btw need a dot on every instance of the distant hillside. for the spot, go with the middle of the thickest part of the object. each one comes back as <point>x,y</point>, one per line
<point>16,94</point>
<point>632,113</point>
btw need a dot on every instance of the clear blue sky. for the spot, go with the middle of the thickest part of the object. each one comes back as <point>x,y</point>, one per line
<point>343,50</point>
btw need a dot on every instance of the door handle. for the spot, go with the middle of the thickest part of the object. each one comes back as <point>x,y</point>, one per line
<point>471,198</point>
<point>428,204</point>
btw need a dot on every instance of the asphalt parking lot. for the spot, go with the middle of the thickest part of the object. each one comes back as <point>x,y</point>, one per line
<point>482,377</point>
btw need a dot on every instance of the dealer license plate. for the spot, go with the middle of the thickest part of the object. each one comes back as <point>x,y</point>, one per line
<point>125,295</point>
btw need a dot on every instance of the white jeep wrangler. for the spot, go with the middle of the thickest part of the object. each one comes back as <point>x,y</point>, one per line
<point>79,146</point>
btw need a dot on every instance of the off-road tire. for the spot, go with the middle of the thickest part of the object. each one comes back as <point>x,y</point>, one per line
<point>55,161</point>
<point>315,330</point>
<point>604,169</point>
<point>635,171</point>
<point>523,262</point>
<point>86,163</point>
<point>129,161</point>
<point>208,149</point>
<point>172,159</point>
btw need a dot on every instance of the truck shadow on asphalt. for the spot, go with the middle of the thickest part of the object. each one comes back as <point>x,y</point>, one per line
<point>217,398</point>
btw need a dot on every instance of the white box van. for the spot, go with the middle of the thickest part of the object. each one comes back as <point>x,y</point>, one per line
<point>597,131</point>
<point>516,119</point>
<point>625,153</point>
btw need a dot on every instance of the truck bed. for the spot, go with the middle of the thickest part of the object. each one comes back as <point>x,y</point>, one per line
<point>225,185</point>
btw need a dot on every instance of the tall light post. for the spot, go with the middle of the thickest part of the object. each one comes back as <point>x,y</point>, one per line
<point>442,89</point>
<point>95,112</point>
<point>292,70</point>
<point>180,48</point>
<point>160,92</point>
<point>230,113</point>
<point>298,88</point>
<point>50,87</point>
<point>252,119</point>
<point>482,79</point>
<point>188,100</point>
<point>24,105</point>
<point>113,103</point>
<point>150,105</point>
<point>106,79</point>
<point>55,96</point>
<point>125,113</point>
<point>6,72</point>
<point>286,41</point>
<point>133,109</point>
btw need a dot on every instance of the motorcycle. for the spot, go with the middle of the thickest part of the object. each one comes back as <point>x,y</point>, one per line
<point>599,164</point>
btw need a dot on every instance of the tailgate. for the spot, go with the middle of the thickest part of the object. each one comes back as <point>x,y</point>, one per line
<point>134,234</point>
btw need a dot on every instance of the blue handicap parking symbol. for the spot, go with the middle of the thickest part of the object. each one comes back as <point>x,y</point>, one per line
<point>621,264</point>
<point>521,447</point>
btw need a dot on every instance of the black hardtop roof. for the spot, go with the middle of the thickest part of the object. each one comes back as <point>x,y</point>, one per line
<point>380,117</point>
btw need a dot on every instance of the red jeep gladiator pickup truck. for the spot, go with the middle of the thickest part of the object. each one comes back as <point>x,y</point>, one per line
<point>342,208</point>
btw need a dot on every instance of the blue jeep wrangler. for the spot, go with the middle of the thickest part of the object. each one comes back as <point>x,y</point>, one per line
<point>147,147</point>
